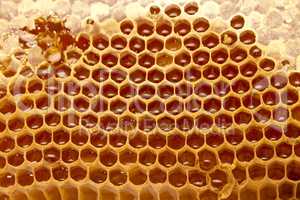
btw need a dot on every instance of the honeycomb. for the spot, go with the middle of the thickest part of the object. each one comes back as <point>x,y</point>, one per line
<point>166,108</point>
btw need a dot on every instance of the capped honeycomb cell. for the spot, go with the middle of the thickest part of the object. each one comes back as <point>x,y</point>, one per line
<point>167,104</point>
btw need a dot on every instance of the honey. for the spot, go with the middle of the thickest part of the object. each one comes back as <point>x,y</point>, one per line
<point>167,107</point>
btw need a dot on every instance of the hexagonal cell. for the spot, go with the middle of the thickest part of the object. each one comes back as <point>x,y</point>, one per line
<point>226,156</point>
<point>90,89</point>
<point>155,45</point>
<point>88,155</point>
<point>108,157</point>
<point>118,106</point>
<point>155,76</point>
<point>78,173</point>
<point>256,172</point>
<point>136,44</point>
<point>201,24</point>
<point>276,170</point>
<point>165,91</point>
<point>155,107</point>
<point>268,192</point>
<point>109,59</point>
<point>207,159</point>
<point>147,157</point>
<point>163,27</point>
<point>117,139</point>
<point>172,10</point>
<point>182,27</point>
<point>218,179</point>
<point>164,59</point>
<point>219,55</point>
<point>166,123</point>
<point>137,176</point>
<point>117,176</point>
<point>167,158</point>
<point>228,37</point>
<point>91,58</point>
<point>187,158</point>
<point>126,26</point>
<point>247,37</point>
<point>157,175</point>
<point>146,123</point>
<point>97,174</point>
<point>174,75</point>
<point>118,42</point>
<point>177,177</point>
<point>245,154</point>
<point>182,58</point>
<point>138,76</point>
<point>127,156</point>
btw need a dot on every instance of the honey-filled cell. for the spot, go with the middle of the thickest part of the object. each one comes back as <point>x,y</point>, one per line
<point>173,103</point>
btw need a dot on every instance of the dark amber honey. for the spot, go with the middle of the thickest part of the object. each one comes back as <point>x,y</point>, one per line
<point>168,107</point>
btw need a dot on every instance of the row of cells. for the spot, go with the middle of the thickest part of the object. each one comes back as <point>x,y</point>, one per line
<point>200,57</point>
<point>173,43</point>
<point>267,191</point>
<point>109,122</point>
<point>156,106</point>
<point>164,90</point>
<point>157,140</point>
<point>138,176</point>
<point>166,157</point>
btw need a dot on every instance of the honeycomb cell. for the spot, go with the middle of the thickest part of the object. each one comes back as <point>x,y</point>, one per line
<point>201,57</point>
<point>182,27</point>
<point>221,88</point>
<point>79,137</point>
<point>147,157</point>
<point>248,69</point>
<point>185,123</point>
<point>172,10</point>
<point>195,140</point>
<point>117,139</point>
<point>166,123</point>
<point>276,170</point>
<point>52,119</point>
<point>109,59</point>
<point>238,54</point>
<point>145,27</point>
<point>137,106</point>
<point>176,141</point>
<point>214,139</point>
<point>163,27</point>
<point>292,170</point>
<point>138,76</point>
<point>108,157</point>
<point>71,88</point>
<point>191,8</point>
<point>42,174</point>
<point>118,42</point>
<point>61,103</point>
<point>184,90</point>
<point>164,91</point>
<point>109,90</point>
<point>229,71</point>
<point>177,177</point>
<point>228,37</point>
<point>240,86</point>
<point>61,136</point>
<point>146,123</point>
<point>164,59</point>
<point>17,87</point>
<point>201,24</point>
<point>137,176</point>
<point>210,40</point>
<point>204,121</point>
<point>91,58</point>
<point>173,43</point>
<point>99,105</point>
<point>69,155</point>
<point>127,123</point>
<point>97,175</point>
<point>256,172</point>
<point>239,173</point>
<point>286,190</point>
<point>193,105</point>
<point>126,26</point>
<point>211,72</point>
<point>267,64</point>
<point>34,86</point>
<point>187,158</point>
<point>254,134</point>
<point>212,105</point>
<point>280,114</point>
<point>255,51</point>
<point>231,103</point>
<point>219,55</point>
<point>268,192</point>
<point>34,155</point>
<point>182,59</point>
<point>78,173</point>
<point>15,159</point>
<point>294,79</point>
<point>16,124</point>
<point>7,179</point>
<point>289,96</point>
<point>155,76</point>
<point>245,154</point>
<point>127,60</point>
<point>117,177</point>
<point>174,75</point>
<point>208,195</point>
<point>60,173</point>
<point>155,45</point>
<point>157,175</point>
<point>51,154</point>
<point>226,156</point>
<point>247,37</point>
<point>207,159</point>
<point>83,41</point>
<point>291,130</point>
<point>218,179</point>
<point>127,156</point>
<point>262,115</point>
<point>237,22</point>
<point>90,89</point>
<point>278,81</point>
<point>24,140</point>
<point>191,43</point>
<point>167,158</point>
